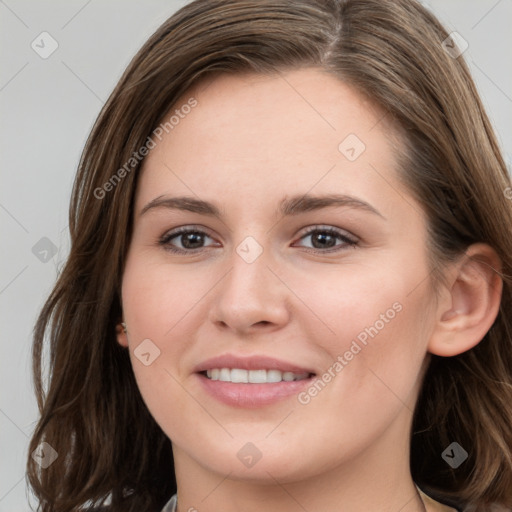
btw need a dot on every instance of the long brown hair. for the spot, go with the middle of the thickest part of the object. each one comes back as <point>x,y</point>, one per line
<point>110,448</point>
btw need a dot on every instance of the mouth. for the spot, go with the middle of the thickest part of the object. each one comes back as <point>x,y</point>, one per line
<point>251,382</point>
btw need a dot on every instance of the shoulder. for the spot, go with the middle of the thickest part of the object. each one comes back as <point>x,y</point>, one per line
<point>171,504</point>
<point>437,506</point>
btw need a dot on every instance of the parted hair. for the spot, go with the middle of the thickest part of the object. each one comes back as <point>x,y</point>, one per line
<point>111,451</point>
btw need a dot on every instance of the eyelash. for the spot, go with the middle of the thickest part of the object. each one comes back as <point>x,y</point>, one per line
<point>167,237</point>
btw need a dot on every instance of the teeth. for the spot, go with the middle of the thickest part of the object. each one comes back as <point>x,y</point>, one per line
<point>238,375</point>
<point>258,376</point>
<point>225,375</point>
<point>274,376</point>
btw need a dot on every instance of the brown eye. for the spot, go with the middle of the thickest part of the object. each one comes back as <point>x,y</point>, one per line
<point>324,239</point>
<point>184,240</point>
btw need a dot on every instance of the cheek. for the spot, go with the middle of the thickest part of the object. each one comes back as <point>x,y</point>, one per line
<point>157,298</point>
<point>165,304</point>
<point>373,364</point>
<point>153,305</point>
<point>361,303</point>
<point>379,322</point>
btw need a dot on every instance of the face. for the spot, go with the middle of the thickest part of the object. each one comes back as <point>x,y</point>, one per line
<point>305,274</point>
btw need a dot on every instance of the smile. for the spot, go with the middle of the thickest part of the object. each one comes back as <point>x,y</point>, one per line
<point>251,381</point>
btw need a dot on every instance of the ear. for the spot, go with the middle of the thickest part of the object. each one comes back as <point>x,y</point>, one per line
<point>121,334</point>
<point>470,302</point>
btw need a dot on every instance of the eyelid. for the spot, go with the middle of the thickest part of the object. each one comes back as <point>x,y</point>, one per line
<point>327,227</point>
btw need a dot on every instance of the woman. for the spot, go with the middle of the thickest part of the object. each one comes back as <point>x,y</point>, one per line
<point>289,279</point>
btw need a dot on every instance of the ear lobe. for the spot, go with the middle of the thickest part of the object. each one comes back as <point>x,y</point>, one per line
<point>472,304</point>
<point>121,334</point>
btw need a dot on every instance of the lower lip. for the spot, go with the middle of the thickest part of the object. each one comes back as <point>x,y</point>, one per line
<point>252,395</point>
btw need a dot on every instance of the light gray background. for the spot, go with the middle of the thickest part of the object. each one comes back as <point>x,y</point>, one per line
<point>48,107</point>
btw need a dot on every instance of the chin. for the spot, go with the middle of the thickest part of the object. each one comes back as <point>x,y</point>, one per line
<point>261,462</point>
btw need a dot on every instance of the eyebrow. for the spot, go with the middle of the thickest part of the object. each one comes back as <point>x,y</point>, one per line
<point>289,206</point>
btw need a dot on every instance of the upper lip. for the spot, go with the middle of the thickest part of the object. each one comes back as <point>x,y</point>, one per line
<point>255,362</point>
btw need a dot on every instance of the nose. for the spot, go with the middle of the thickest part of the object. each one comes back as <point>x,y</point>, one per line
<point>251,297</point>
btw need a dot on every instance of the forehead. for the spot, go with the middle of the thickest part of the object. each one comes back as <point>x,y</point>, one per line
<point>256,134</point>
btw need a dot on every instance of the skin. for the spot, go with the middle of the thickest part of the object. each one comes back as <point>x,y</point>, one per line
<point>251,142</point>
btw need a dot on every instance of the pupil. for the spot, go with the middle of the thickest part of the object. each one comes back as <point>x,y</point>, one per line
<point>322,238</point>
<point>190,238</point>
